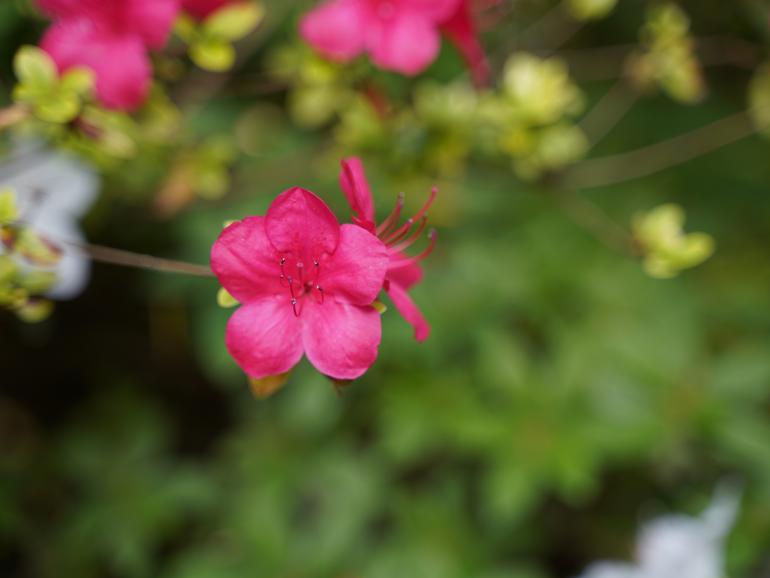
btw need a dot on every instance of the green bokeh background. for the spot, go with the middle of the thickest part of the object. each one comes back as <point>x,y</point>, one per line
<point>563,397</point>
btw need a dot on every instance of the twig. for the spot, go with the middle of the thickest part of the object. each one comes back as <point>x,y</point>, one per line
<point>139,261</point>
<point>595,220</point>
<point>654,158</point>
<point>12,115</point>
<point>608,112</point>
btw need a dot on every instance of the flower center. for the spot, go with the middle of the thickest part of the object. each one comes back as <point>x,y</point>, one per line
<point>300,280</point>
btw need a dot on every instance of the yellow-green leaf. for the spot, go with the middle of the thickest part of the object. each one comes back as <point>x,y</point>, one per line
<point>213,54</point>
<point>234,22</point>
<point>225,300</point>
<point>34,67</point>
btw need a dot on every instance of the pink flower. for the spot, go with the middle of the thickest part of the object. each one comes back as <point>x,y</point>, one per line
<point>306,285</point>
<point>399,35</point>
<point>111,37</point>
<point>403,272</point>
<point>201,9</point>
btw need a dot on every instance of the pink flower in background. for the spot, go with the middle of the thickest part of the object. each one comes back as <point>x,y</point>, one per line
<point>201,9</point>
<point>306,285</point>
<point>399,35</point>
<point>111,37</point>
<point>403,272</point>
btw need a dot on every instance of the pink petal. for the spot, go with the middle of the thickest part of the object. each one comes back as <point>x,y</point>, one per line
<point>201,9</point>
<point>120,64</point>
<point>337,29</point>
<point>409,311</point>
<point>265,337</point>
<point>407,275</point>
<point>300,223</point>
<point>462,32</point>
<point>151,19</point>
<point>356,188</point>
<point>66,8</point>
<point>437,10</point>
<point>340,340</point>
<point>356,271</point>
<point>245,262</point>
<point>407,43</point>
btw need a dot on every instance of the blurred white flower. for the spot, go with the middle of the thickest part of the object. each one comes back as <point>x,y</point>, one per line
<point>679,546</point>
<point>54,190</point>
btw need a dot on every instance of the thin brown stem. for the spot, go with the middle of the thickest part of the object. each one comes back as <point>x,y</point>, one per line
<point>139,261</point>
<point>657,157</point>
<point>608,112</point>
<point>12,115</point>
<point>595,220</point>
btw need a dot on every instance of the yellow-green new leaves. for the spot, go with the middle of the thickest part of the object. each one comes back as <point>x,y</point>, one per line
<point>51,97</point>
<point>211,41</point>
<point>667,248</point>
<point>225,300</point>
<point>539,91</point>
<point>668,60</point>
<point>9,211</point>
<point>591,9</point>
<point>533,115</point>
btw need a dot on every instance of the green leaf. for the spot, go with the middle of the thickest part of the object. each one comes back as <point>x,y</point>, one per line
<point>9,212</point>
<point>78,80</point>
<point>213,54</point>
<point>233,22</point>
<point>225,300</point>
<point>34,67</point>
<point>58,108</point>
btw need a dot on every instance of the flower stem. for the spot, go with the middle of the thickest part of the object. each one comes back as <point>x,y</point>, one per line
<point>12,115</point>
<point>654,158</point>
<point>128,259</point>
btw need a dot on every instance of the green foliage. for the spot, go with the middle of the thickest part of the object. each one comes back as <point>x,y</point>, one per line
<point>669,60</point>
<point>211,42</point>
<point>53,98</point>
<point>667,249</point>
<point>591,9</point>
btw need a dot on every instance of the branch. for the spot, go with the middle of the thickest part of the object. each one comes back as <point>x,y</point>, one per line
<point>139,261</point>
<point>654,158</point>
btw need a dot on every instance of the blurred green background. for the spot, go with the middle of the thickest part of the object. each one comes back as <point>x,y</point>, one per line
<point>563,396</point>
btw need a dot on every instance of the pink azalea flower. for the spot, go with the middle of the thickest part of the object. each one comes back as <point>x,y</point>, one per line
<point>403,272</point>
<point>201,9</point>
<point>111,37</point>
<point>399,35</point>
<point>306,285</point>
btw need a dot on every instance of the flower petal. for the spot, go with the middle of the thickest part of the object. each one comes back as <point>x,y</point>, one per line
<point>245,262</point>
<point>409,311</point>
<point>356,271</point>
<point>407,275</point>
<point>201,9</point>
<point>356,188</point>
<point>407,43</point>
<point>151,19</point>
<point>437,10</point>
<point>265,337</point>
<point>461,30</point>
<point>337,29</point>
<point>120,63</point>
<point>341,340</point>
<point>301,223</point>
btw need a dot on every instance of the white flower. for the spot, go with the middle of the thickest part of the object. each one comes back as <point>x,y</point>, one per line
<point>54,190</point>
<point>679,546</point>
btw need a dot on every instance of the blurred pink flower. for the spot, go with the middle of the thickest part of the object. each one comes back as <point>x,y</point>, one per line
<point>306,285</point>
<point>111,37</point>
<point>404,272</point>
<point>201,9</point>
<point>399,35</point>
